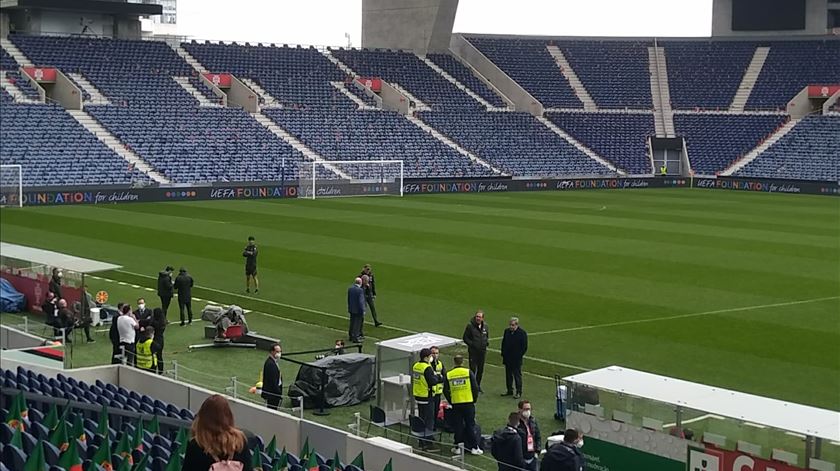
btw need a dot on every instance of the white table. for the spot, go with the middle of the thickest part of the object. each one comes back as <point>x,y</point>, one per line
<point>395,399</point>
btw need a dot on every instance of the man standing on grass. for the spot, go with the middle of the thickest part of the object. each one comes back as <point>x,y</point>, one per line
<point>356,309</point>
<point>514,346</point>
<point>370,291</point>
<point>165,288</point>
<point>272,387</point>
<point>183,284</point>
<point>477,338</point>
<point>250,254</point>
<point>461,390</point>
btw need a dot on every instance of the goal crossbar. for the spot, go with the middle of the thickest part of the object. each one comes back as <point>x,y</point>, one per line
<point>331,164</point>
<point>5,191</point>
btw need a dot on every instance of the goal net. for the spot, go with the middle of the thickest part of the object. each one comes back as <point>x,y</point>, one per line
<point>11,185</point>
<point>322,179</point>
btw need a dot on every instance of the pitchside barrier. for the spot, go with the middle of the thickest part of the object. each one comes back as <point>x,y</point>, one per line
<point>37,196</point>
<point>632,420</point>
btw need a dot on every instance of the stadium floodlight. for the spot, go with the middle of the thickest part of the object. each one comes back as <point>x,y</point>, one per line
<point>11,185</point>
<point>334,178</point>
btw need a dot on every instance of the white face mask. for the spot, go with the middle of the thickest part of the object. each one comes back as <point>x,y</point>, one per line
<point>279,354</point>
<point>60,274</point>
<point>579,443</point>
<point>526,414</point>
<point>141,306</point>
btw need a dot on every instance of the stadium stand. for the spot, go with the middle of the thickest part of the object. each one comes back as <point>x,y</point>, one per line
<point>528,62</point>
<point>618,137</point>
<point>9,67</point>
<point>714,141</point>
<point>99,424</point>
<point>295,76</point>
<point>706,74</point>
<point>411,73</point>
<point>54,149</point>
<point>375,135</point>
<point>516,143</point>
<point>615,73</point>
<point>792,65</point>
<point>460,72</point>
<point>810,151</point>
<point>7,62</point>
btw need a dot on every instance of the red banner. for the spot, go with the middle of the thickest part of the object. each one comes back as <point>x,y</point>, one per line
<point>219,80</point>
<point>822,91</point>
<point>374,83</point>
<point>714,459</point>
<point>41,74</point>
<point>35,290</point>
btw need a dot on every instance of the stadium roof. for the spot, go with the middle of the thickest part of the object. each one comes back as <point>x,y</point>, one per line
<point>90,6</point>
<point>760,410</point>
<point>54,259</point>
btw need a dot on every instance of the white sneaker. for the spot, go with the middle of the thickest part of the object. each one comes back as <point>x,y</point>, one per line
<point>476,451</point>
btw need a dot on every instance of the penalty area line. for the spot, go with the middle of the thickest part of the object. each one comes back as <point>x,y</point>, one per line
<point>680,316</point>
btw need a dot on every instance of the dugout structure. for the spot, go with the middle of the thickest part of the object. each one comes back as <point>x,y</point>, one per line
<point>394,361</point>
<point>29,270</point>
<point>639,419</point>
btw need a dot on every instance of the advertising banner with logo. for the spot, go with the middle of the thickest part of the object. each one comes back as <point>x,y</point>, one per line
<point>713,459</point>
<point>374,83</point>
<point>41,74</point>
<point>35,289</point>
<point>605,456</point>
<point>100,195</point>
<point>219,80</point>
<point>769,186</point>
<point>822,91</point>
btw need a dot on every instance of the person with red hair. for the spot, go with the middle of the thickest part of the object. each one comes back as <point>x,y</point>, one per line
<point>215,438</point>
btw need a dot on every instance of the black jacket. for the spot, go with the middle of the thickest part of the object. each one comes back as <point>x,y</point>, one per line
<point>196,459</point>
<point>164,288</point>
<point>144,317</point>
<point>272,387</point>
<point>55,287</point>
<point>523,434</point>
<point>476,337</point>
<point>184,284</point>
<point>507,449</point>
<point>372,281</point>
<point>563,457</point>
<point>514,346</point>
<point>250,254</point>
<point>50,309</point>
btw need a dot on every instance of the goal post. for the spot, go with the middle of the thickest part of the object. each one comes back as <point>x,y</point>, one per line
<point>11,185</point>
<point>337,178</point>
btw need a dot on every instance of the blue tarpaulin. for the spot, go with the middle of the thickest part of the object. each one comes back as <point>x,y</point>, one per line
<point>10,299</point>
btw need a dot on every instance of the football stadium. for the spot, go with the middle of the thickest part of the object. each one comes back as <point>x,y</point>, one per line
<point>461,251</point>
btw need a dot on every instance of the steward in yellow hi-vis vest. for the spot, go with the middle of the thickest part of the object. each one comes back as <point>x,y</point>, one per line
<point>423,379</point>
<point>146,349</point>
<point>461,390</point>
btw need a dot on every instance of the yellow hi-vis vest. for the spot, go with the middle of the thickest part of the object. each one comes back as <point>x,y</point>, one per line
<point>145,358</point>
<point>663,170</point>
<point>437,389</point>
<point>419,386</point>
<point>460,388</point>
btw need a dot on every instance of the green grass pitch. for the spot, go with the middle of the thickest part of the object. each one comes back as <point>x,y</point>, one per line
<point>730,289</point>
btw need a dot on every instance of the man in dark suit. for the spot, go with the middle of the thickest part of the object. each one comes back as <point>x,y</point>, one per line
<point>477,338</point>
<point>183,284</point>
<point>55,282</point>
<point>272,387</point>
<point>50,309</point>
<point>514,346</point>
<point>65,319</point>
<point>165,290</point>
<point>142,313</point>
<point>356,308</point>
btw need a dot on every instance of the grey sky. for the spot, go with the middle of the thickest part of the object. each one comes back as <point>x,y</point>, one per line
<point>325,22</point>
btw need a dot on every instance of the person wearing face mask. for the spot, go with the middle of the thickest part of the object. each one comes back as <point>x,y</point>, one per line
<point>566,455</point>
<point>143,315</point>
<point>529,432</point>
<point>423,379</point>
<point>55,283</point>
<point>272,379</point>
<point>514,346</point>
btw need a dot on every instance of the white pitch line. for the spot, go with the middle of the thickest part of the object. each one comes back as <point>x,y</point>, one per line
<point>335,316</point>
<point>679,316</point>
<point>696,419</point>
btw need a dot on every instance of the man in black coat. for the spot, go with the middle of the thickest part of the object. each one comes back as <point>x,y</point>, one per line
<point>566,455</point>
<point>356,309</point>
<point>477,338</point>
<point>514,346</point>
<point>64,319</point>
<point>529,432</point>
<point>165,289</point>
<point>250,254</point>
<point>507,446</point>
<point>272,387</point>
<point>50,310</point>
<point>183,284</point>
<point>370,291</point>
<point>55,283</point>
<point>143,313</point>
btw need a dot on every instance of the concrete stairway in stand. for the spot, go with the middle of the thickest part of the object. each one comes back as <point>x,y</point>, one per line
<point>579,145</point>
<point>116,145</point>
<point>739,101</point>
<point>756,153</point>
<point>571,76</point>
<point>96,97</point>
<point>450,143</point>
<point>475,96</point>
